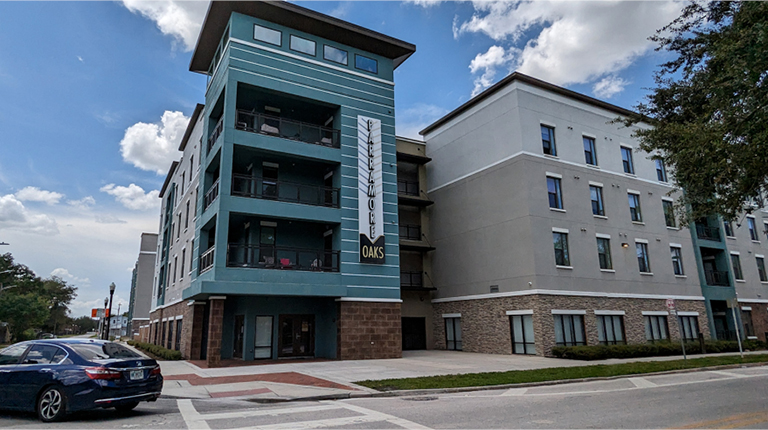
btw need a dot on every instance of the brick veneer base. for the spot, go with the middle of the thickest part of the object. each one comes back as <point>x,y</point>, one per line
<point>172,312</point>
<point>485,326</point>
<point>759,318</point>
<point>368,330</point>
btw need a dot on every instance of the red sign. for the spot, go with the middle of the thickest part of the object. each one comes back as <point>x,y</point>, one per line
<point>99,313</point>
<point>671,306</point>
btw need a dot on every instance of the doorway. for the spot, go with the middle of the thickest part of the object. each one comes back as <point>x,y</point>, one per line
<point>239,336</point>
<point>414,333</point>
<point>296,336</point>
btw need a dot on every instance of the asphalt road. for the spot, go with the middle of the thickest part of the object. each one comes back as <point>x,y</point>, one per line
<point>736,398</point>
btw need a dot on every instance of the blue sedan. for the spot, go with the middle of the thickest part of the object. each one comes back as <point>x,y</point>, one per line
<point>57,376</point>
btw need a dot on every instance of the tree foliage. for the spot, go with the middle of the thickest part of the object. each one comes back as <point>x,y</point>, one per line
<point>22,311</point>
<point>709,109</point>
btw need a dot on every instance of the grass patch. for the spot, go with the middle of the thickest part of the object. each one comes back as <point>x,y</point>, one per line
<point>554,374</point>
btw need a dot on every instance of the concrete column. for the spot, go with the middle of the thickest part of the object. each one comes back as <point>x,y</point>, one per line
<point>215,325</point>
<point>192,336</point>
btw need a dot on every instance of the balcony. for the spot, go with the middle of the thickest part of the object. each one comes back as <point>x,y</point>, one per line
<point>284,191</point>
<point>411,280</point>
<point>408,193</point>
<point>707,233</point>
<point>215,134</point>
<point>282,258</point>
<point>287,129</point>
<point>410,232</point>
<point>211,195</point>
<point>716,278</point>
<point>206,260</point>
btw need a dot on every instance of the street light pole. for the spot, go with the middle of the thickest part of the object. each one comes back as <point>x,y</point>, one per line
<point>109,323</point>
<point>104,318</point>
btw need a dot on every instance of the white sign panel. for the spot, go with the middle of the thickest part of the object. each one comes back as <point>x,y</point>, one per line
<point>370,189</point>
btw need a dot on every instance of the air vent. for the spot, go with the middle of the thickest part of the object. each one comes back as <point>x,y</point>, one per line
<point>494,288</point>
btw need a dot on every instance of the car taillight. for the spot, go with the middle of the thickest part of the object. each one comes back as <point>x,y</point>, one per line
<point>102,373</point>
<point>155,370</point>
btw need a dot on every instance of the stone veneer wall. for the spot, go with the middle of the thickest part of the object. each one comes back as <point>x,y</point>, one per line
<point>759,318</point>
<point>171,312</point>
<point>485,326</point>
<point>368,330</point>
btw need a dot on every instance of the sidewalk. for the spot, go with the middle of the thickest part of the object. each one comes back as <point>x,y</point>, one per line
<point>294,380</point>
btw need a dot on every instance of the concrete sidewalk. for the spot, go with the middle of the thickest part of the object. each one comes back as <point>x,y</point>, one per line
<point>293,380</point>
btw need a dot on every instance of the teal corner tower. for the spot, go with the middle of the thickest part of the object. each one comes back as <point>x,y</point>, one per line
<point>296,239</point>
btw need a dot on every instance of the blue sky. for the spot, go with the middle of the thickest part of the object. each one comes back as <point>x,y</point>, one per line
<point>95,97</point>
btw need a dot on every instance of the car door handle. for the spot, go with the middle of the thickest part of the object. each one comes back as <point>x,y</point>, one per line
<point>45,370</point>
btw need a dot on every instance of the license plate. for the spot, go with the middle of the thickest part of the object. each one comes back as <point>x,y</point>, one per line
<point>137,374</point>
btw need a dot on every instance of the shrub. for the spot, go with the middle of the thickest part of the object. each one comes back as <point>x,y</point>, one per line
<point>602,352</point>
<point>159,351</point>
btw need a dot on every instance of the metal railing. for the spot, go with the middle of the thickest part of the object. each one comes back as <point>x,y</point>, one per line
<point>260,188</point>
<point>211,195</point>
<point>287,128</point>
<point>282,257</point>
<point>716,278</point>
<point>410,231</point>
<point>216,133</point>
<point>411,280</point>
<point>725,334</point>
<point>409,188</point>
<point>206,260</point>
<point>706,232</point>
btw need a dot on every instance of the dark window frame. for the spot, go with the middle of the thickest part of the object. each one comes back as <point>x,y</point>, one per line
<point>669,213</point>
<point>524,341</point>
<point>747,322</point>
<point>590,150</point>
<point>661,170</point>
<point>290,45</point>
<point>760,261</point>
<point>612,318</point>
<point>738,274</point>
<point>345,63</point>
<point>689,323</point>
<point>565,257</point>
<point>627,162</point>
<point>557,195</point>
<point>598,208</point>
<point>752,229</point>
<point>728,228</point>
<point>677,260</point>
<point>636,212</point>
<point>375,62</point>
<point>570,320</point>
<point>548,144</point>
<point>644,260</point>
<point>457,344</point>
<point>659,319</point>
<point>266,41</point>
<point>604,258</point>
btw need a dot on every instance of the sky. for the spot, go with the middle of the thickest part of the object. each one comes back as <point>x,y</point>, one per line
<point>95,97</point>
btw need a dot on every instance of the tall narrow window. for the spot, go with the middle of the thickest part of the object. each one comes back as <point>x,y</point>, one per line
<point>170,334</point>
<point>690,327</point>
<point>521,327</point>
<point>669,213</point>
<point>604,253</point>
<point>453,333</point>
<point>183,182</point>
<point>554,191</point>
<point>677,260</point>
<point>175,265</point>
<point>736,264</point>
<point>752,229</point>
<point>626,160</point>
<point>643,262</point>
<point>661,172</point>
<point>183,261</point>
<point>178,335</point>
<point>746,319</point>
<point>569,330</point>
<point>656,328</point>
<point>548,140</point>
<point>186,217</point>
<point>761,269</point>
<point>610,330</point>
<point>561,249</point>
<point>590,153</point>
<point>596,194</point>
<point>634,207</point>
<point>728,228</point>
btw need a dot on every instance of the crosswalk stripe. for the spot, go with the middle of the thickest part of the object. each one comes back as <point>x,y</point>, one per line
<point>384,417</point>
<point>642,383</point>
<point>331,422</point>
<point>267,412</point>
<point>191,417</point>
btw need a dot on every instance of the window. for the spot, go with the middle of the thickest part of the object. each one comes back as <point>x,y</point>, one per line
<point>669,213</point>
<point>40,354</point>
<point>728,228</point>
<point>186,217</point>
<point>453,333</point>
<point>178,229</point>
<point>12,354</point>
<point>736,264</point>
<point>170,334</point>
<point>634,207</point>
<point>643,262</point>
<point>761,269</point>
<point>590,153</point>
<point>626,160</point>
<point>334,54</point>
<point>752,229</point>
<point>177,346</point>
<point>677,260</point>
<point>561,249</point>
<point>548,140</point>
<point>569,330</point>
<point>175,264</point>
<point>366,64</point>
<point>191,167</point>
<point>610,330</point>
<point>656,328</point>
<point>604,253</point>
<point>164,330</point>
<point>690,326</point>
<point>596,194</point>
<point>746,319</point>
<point>183,182</point>
<point>555,195</point>
<point>521,327</point>
<point>268,35</point>
<point>183,260</point>
<point>299,44</point>
<point>191,254</point>
<point>661,172</point>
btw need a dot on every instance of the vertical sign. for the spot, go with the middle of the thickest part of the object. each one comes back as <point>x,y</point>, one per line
<point>370,188</point>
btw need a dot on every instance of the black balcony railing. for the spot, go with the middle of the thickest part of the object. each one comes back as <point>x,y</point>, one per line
<point>206,260</point>
<point>716,278</point>
<point>411,280</point>
<point>260,188</point>
<point>282,257</point>
<point>708,233</point>
<point>726,334</point>
<point>409,188</point>
<point>410,232</point>
<point>216,133</point>
<point>287,128</point>
<point>211,195</point>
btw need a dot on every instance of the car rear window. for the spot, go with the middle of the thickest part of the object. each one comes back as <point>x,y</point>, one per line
<point>94,351</point>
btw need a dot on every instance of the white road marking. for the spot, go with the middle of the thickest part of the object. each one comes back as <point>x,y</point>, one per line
<point>267,412</point>
<point>384,417</point>
<point>515,392</point>
<point>642,382</point>
<point>730,374</point>
<point>331,422</point>
<point>191,417</point>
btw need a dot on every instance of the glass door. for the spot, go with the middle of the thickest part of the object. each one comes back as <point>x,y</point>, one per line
<point>239,336</point>
<point>262,345</point>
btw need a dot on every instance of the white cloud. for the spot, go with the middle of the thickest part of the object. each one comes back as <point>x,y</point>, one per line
<point>14,216</point>
<point>83,203</point>
<point>34,194</point>
<point>80,59</point>
<point>179,19</point>
<point>133,196</point>
<point>70,278</point>
<point>425,3</point>
<point>488,62</point>
<point>154,146</point>
<point>413,119</point>
<point>341,10</point>
<point>609,86</point>
<point>109,219</point>
<point>579,42</point>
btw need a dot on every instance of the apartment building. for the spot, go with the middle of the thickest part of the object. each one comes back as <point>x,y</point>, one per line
<point>140,300</point>
<point>552,228</point>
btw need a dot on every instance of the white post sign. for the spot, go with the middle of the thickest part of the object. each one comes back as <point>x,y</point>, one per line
<point>370,201</point>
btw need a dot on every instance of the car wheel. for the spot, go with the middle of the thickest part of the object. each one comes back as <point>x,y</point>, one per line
<point>125,408</point>
<point>52,405</point>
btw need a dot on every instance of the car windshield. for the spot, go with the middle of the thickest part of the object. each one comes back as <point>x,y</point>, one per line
<point>95,351</point>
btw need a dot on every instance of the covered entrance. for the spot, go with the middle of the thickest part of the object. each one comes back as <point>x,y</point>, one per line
<point>414,333</point>
<point>297,336</point>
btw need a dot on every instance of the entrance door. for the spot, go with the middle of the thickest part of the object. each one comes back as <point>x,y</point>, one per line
<point>239,336</point>
<point>721,326</point>
<point>414,333</point>
<point>297,336</point>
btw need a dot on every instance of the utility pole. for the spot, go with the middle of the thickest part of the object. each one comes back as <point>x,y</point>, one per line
<point>109,320</point>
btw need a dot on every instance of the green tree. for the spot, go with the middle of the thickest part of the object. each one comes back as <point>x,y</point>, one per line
<point>85,324</point>
<point>709,108</point>
<point>22,312</point>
